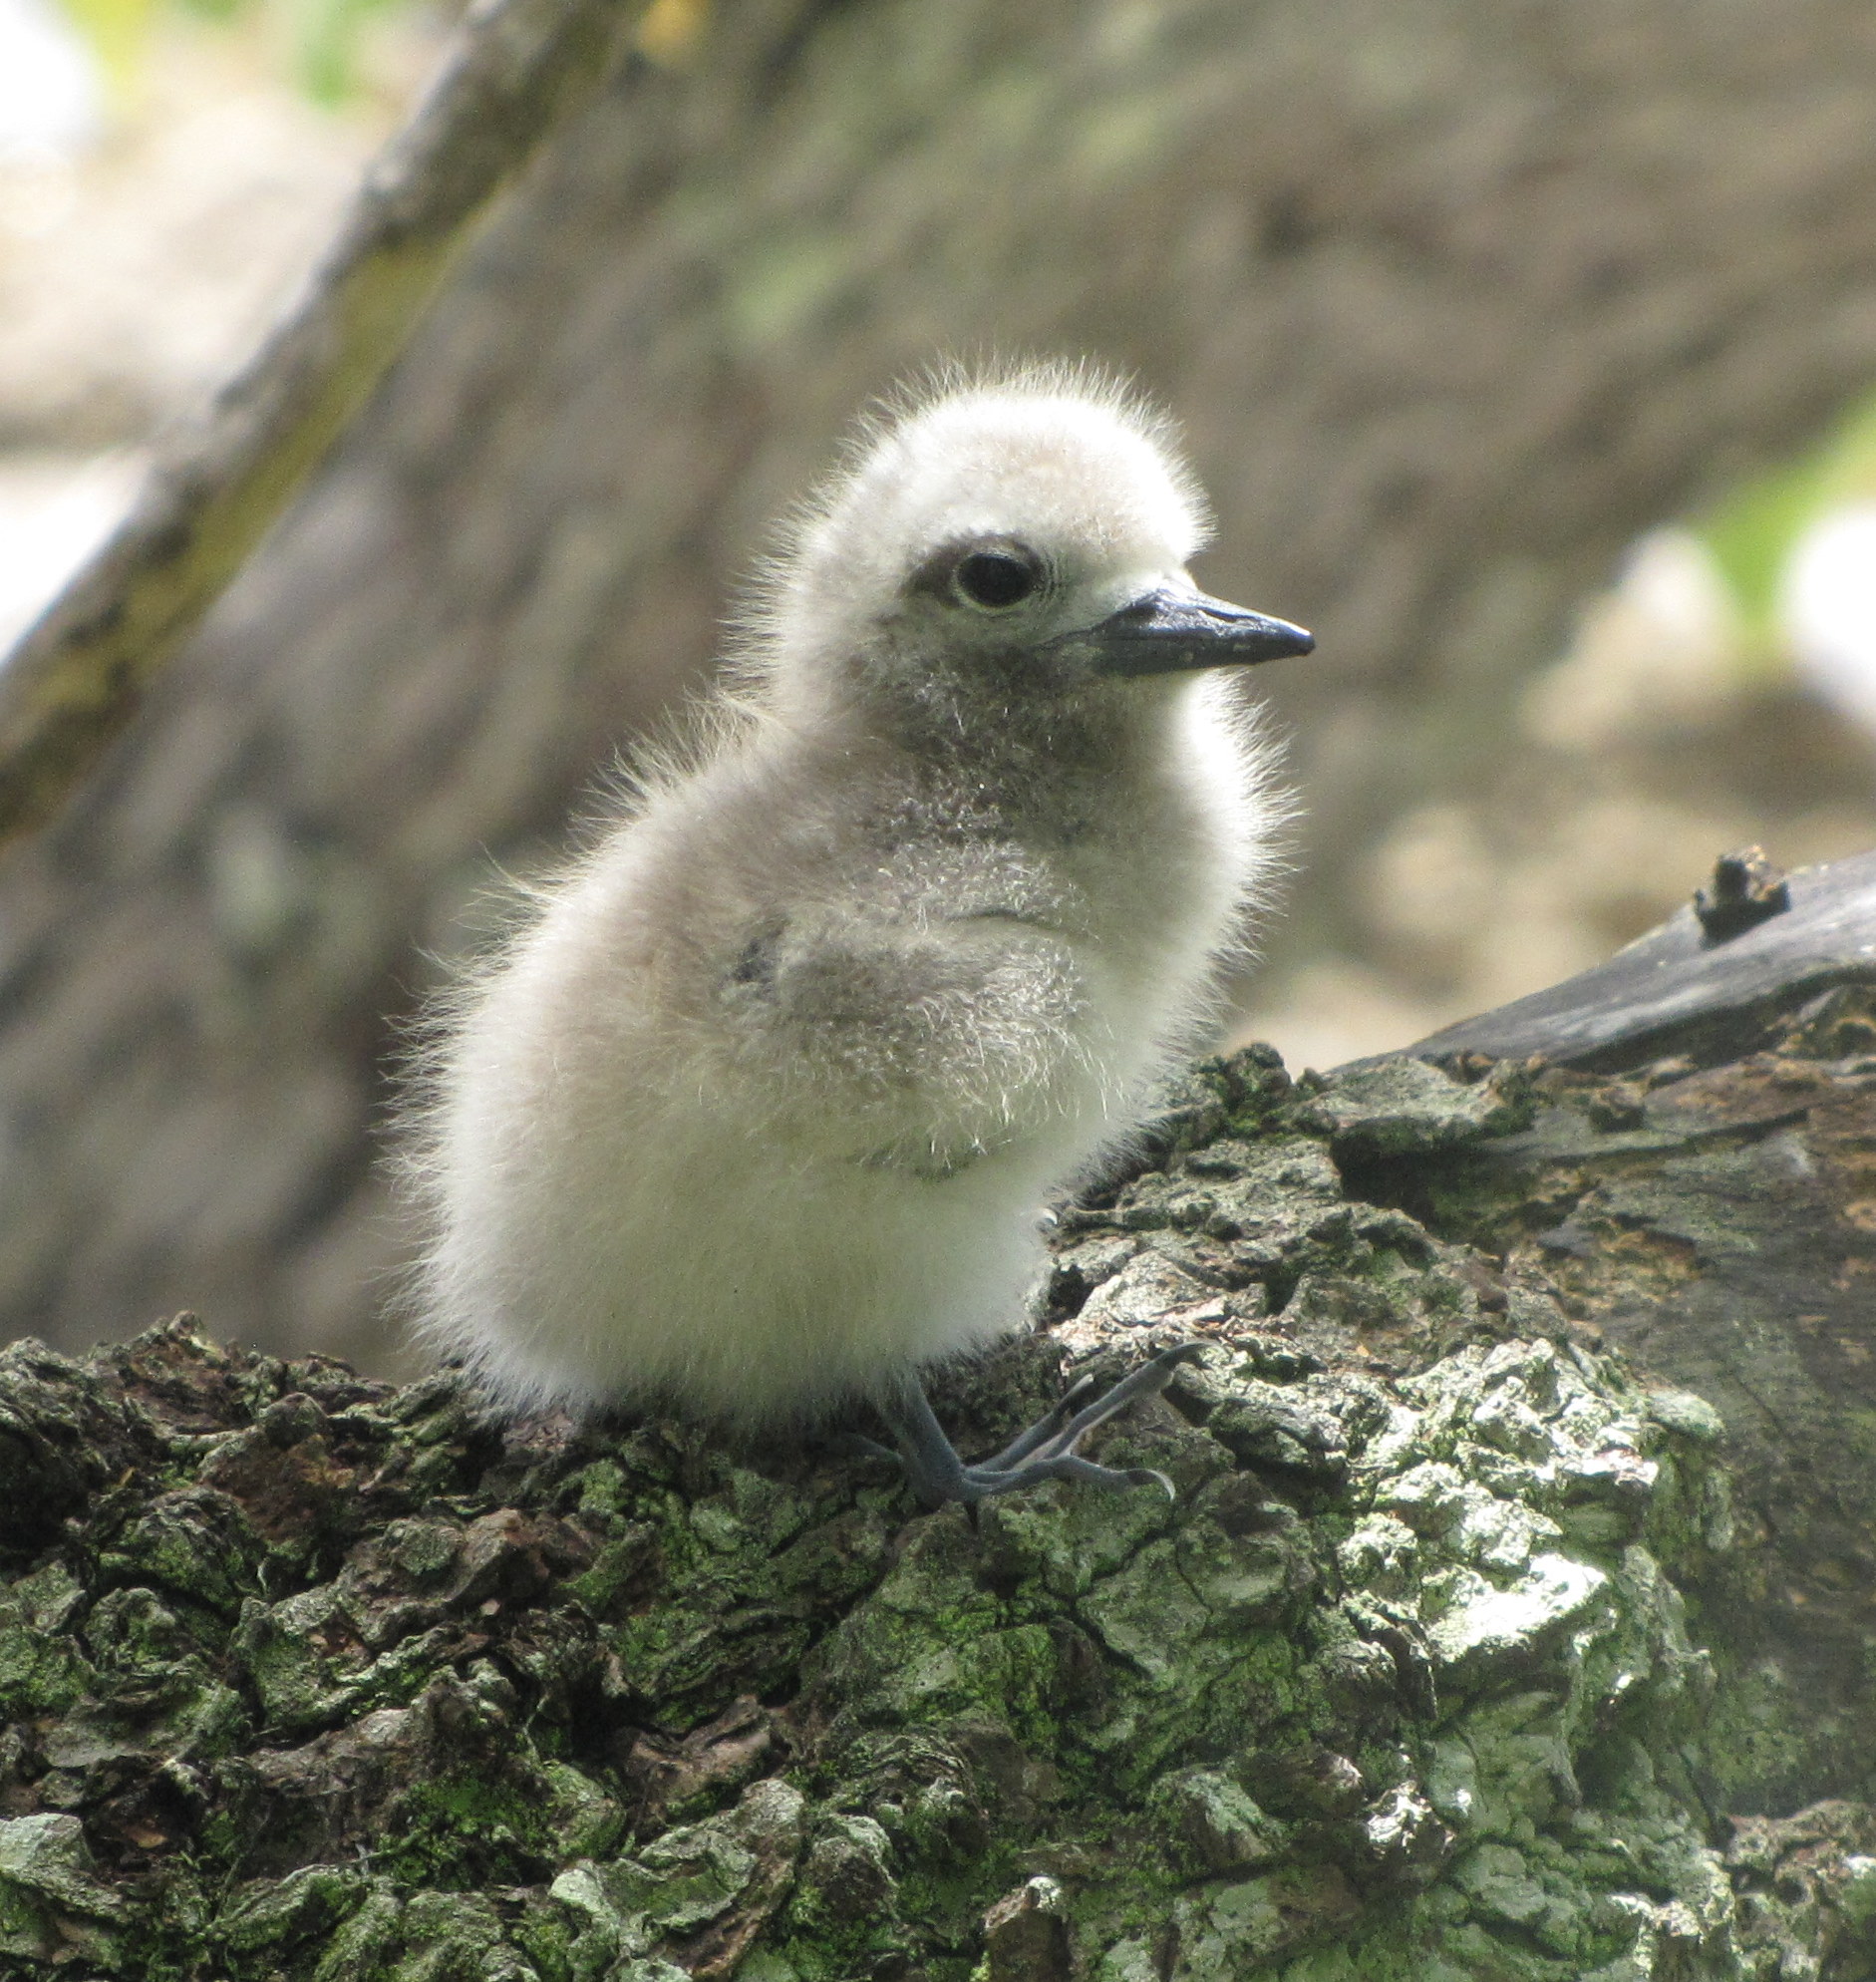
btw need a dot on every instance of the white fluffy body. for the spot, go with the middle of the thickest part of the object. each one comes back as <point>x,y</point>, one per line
<point>758,1109</point>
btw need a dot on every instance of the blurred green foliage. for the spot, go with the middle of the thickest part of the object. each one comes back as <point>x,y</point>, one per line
<point>1753,533</point>
<point>321,38</point>
<point>116,30</point>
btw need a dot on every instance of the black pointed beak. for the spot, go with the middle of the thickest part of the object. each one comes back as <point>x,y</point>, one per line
<point>1169,632</point>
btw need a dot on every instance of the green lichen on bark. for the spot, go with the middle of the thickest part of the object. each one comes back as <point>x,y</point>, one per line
<point>308,1677</point>
<point>1718,1222</point>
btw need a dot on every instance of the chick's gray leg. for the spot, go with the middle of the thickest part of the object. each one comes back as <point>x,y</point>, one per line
<point>1045,1452</point>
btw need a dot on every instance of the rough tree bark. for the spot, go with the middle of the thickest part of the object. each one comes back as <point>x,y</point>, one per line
<point>1472,1649</point>
<point>1456,297</point>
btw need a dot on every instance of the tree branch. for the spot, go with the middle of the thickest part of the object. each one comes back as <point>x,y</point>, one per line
<point>519,69</point>
<point>1683,988</point>
<point>1464,1647</point>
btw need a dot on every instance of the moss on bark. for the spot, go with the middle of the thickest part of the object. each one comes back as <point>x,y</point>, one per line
<point>309,1677</point>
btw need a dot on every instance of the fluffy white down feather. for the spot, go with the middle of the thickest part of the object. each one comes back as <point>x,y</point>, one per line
<point>758,1108</point>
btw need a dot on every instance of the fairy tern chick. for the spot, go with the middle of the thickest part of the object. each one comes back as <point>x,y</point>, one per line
<point>756,1114</point>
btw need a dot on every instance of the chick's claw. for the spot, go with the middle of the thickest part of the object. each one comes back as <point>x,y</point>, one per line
<point>1046,1450</point>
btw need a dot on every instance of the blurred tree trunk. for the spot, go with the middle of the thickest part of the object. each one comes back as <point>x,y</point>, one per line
<point>1455,298</point>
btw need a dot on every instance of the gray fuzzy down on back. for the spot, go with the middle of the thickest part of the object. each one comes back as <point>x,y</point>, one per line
<point>758,1107</point>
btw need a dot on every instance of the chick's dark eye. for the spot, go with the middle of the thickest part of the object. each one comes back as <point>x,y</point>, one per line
<point>995,579</point>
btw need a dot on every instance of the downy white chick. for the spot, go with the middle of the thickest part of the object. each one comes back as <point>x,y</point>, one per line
<point>756,1113</point>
